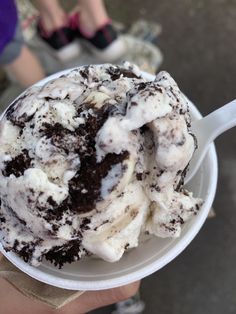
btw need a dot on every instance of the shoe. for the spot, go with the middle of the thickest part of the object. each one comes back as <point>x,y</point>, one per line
<point>132,305</point>
<point>62,41</point>
<point>105,43</point>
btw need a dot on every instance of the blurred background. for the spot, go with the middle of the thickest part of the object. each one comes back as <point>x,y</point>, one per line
<point>196,40</point>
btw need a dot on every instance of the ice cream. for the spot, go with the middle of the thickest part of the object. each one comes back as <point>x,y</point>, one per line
<point>91,161</point>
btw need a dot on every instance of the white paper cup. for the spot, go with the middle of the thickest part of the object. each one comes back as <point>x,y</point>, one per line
<point>148,257</point>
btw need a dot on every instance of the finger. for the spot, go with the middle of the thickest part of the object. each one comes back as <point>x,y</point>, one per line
<point>94,299</point>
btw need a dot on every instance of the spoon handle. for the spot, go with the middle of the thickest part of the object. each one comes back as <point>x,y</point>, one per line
<point>216,122</point>
<point>207,129</point>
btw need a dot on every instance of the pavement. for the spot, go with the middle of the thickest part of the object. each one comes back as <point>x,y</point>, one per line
<point>198,43</point>
<point>199,46</point>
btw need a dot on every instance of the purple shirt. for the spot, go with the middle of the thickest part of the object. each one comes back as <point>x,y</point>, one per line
<point>8,22</point>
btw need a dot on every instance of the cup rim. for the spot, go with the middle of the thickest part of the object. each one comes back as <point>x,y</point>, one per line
<point>151,267</point>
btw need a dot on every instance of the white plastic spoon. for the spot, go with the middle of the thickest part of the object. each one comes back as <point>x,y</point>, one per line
<point>206,131</point>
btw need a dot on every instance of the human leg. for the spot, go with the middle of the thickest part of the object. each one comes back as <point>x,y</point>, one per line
<point>93,15</point>
<point>93,25</point>
<point>54,29</point>
<point>20,61</point>
<point>26,68</point>
<point>51,14</point>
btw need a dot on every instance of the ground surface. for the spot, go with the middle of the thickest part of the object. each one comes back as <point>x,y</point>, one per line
<point>199,46</point>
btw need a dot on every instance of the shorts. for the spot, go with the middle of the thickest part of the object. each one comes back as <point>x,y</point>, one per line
<point>13,49</point>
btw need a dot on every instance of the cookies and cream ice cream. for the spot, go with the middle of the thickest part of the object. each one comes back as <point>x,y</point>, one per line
<point>90,161</point>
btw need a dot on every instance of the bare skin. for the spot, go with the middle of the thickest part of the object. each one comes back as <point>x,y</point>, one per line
<point>26,68</point>
<point>12,301</point>
<point>92,15</point>
<point>51,14</point>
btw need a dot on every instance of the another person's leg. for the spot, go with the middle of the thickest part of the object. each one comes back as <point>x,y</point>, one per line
<point>52,15</point>
<point>54,28</point>
<point>91,23</point>
<point>26,69</point>
<point>93,16</point>
<point>15,56</point>
<point>95,27</point>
